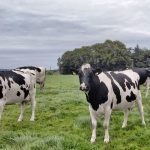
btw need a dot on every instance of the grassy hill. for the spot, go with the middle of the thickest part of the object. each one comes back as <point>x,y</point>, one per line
<point>63,122</point>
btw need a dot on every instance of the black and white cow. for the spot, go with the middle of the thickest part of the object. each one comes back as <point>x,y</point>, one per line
<point>40,74</point>
<point>17,87</point>
<point>144,78</point>
<point>109,90</point>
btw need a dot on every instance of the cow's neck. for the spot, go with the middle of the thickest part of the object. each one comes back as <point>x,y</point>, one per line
<point>94,84</point>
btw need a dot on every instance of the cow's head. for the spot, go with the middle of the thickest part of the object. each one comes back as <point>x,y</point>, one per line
<point>86,74</point>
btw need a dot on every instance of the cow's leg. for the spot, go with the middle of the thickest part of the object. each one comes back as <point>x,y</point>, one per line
<point>93,116</point>
<point>107,114</point>
<point>41,86</point>
<point>22,108</point>
<point>33,102</point>
<point>2,104</point>
<point>147,86</point>
<point>146,95</point>
<point>140,107</point>
<point>126,112</point>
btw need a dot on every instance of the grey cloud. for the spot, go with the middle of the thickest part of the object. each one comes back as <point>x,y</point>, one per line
<point>30,24</point>
<point>42,30</point>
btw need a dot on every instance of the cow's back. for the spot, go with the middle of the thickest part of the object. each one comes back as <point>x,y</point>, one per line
<point>40,72</point>
<point>124,85</point>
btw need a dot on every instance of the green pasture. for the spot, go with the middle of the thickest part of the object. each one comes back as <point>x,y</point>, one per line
<point>63,122</point>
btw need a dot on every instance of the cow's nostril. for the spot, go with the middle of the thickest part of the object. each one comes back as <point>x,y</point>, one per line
<point>84,88</point>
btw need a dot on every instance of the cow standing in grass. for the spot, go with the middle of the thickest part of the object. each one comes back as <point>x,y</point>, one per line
<point>109,90</point>
<point>40,74</point>
<point>17,87</point>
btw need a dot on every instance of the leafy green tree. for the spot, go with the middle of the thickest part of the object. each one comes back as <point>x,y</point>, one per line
<point>110,55</point>
<point>141,57</point>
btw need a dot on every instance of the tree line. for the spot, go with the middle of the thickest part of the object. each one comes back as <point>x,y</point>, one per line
<point>110,55</point>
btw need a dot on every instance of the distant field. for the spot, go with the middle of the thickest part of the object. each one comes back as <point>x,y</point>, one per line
<point>63,122</point>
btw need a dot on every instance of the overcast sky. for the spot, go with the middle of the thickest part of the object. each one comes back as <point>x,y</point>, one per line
<point>38,32</point>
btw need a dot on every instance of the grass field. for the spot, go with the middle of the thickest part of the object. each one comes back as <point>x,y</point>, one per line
<point>63,122</point>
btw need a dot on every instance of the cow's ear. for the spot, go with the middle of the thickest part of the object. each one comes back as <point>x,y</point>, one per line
<point>97,71</point>
<point>74,70</point>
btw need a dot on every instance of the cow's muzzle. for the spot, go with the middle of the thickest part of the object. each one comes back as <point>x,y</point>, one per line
<point>84,88</point>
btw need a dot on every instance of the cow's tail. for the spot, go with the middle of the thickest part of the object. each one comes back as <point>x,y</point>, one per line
<point>33,80</point>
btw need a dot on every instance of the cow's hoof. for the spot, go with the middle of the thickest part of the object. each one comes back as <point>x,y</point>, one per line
<point>106,140</point>
<point>31,119</point>
<point>19,120</point>
<point>124,126</point>
<point>92,140</point>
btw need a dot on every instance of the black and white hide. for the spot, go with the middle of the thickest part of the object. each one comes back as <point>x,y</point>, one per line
<point>40,74</point>
<point>144,78</point>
